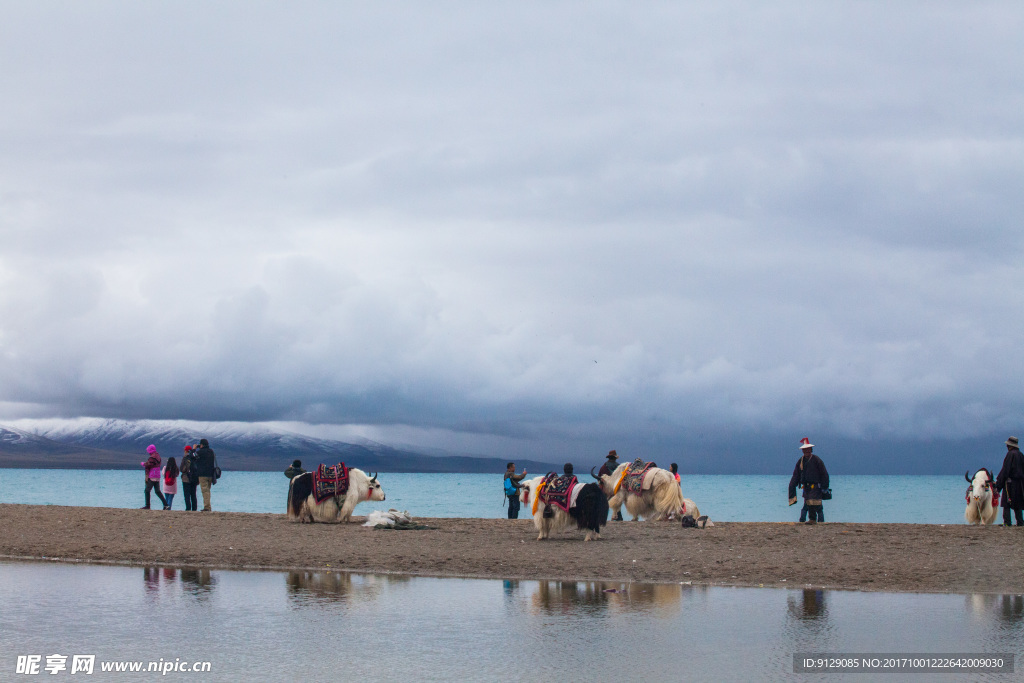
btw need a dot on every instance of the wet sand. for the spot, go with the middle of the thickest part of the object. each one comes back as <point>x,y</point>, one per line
<point>873,557</point>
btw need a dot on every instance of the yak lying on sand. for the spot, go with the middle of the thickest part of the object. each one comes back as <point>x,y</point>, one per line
<point>689,508</point>
<point>981,508</point>
<point>588,509</point>
<point>302,505</point>
<point>656,495</point>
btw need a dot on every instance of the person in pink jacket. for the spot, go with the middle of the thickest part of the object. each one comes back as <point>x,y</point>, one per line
<point>169,481</point>
<point>152,467</point>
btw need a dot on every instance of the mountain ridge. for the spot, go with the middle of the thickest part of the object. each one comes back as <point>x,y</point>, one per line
<point>98,443</point>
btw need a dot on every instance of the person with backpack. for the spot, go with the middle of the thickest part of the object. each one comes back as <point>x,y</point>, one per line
<point>189,479</point>
<point>512,489</point>
<point>169,481</point>
<point>152,467</point>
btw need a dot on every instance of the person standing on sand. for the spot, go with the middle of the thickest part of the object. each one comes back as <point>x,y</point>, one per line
<point>1010,481</point>
<point>152,467</point>
<point>809,474</point>
<point>606,469</point>
<point>169,481</point>
<point>189,479</point>
<point>205,462</point>
<point>512,489</point>
<point>295,470</point>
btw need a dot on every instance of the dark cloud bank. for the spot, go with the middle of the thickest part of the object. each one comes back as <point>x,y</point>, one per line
<point>691,233</point>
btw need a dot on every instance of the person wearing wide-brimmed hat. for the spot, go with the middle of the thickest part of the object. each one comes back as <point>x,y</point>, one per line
<point>610,464</point>
<point>809,474</point>
<point>1010,481</point>
<point>607,468</point>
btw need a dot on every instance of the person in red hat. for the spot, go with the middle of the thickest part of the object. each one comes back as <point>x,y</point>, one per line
<point>810,475</point>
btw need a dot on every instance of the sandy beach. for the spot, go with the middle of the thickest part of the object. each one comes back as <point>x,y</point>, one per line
<point>873,557</point>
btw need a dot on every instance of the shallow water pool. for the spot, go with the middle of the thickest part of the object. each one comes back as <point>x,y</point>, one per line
<point>315,626</point>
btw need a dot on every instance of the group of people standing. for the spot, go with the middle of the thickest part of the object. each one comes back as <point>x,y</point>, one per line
<point>198,469</point>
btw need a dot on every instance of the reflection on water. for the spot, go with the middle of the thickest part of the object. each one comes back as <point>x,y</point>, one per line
<point>591,597</point>
<point>1007,608</point>
<point>247,623</point>
<point>807,605</point>
<point>309,587</point>
<point>326,586</point>
<point>198,583</point>
<point>1011,608</point>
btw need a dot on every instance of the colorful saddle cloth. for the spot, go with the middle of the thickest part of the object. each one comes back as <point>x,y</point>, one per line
<point>557,490</point>
<point>635,473</point>
<point>329,482</point>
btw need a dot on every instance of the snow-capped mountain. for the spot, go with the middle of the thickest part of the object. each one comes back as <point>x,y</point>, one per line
<point>129,435</point>
<point>96,442</point>
<point>20,448</point>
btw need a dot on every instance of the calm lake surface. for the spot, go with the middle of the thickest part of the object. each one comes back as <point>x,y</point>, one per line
<point>308,626</point>
<point>730,498</point>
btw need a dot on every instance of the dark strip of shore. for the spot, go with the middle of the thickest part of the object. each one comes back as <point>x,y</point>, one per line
<point>871,557</point>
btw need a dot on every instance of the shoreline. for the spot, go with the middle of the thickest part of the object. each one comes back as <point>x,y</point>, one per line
<point>881,557</point>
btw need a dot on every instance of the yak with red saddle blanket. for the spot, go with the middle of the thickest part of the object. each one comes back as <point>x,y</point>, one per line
<point>329,494</point>
<point>557,501</point>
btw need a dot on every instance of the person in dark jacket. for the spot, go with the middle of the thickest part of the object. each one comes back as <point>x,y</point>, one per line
<point>189,479</point>
<point>809,474</point>
<point>206,461</point>
<point>295,470</point>
<point>610,464</point>
<point>1010,481</point>
<point>606,469</point>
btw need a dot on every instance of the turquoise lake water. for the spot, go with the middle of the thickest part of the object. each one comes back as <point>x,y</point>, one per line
<point>732,498</point>
<point>310,626</point>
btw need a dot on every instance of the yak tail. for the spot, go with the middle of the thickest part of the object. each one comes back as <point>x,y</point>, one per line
<point>668,499</point>
<point>298,491</point>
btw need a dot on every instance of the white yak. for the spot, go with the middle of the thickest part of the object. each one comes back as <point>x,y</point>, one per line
<point>980,509</point>
<point>302,505</point>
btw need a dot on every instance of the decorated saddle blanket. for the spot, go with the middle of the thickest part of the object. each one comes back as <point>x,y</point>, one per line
<point>634,476</point>
<point>329,482</point>
<point>557,490</point>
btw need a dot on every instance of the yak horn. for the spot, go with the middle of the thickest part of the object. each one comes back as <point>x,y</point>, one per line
<point>374,477</point>
<point>594,475</point>
<point>969,480</point>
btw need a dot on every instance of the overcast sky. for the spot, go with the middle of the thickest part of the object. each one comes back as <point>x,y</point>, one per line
<point>516,227</point>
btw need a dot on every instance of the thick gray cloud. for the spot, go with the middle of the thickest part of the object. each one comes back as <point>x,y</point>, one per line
<point>519,224</point>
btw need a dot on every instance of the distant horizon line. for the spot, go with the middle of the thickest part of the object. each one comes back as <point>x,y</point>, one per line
<point>127,468</point>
